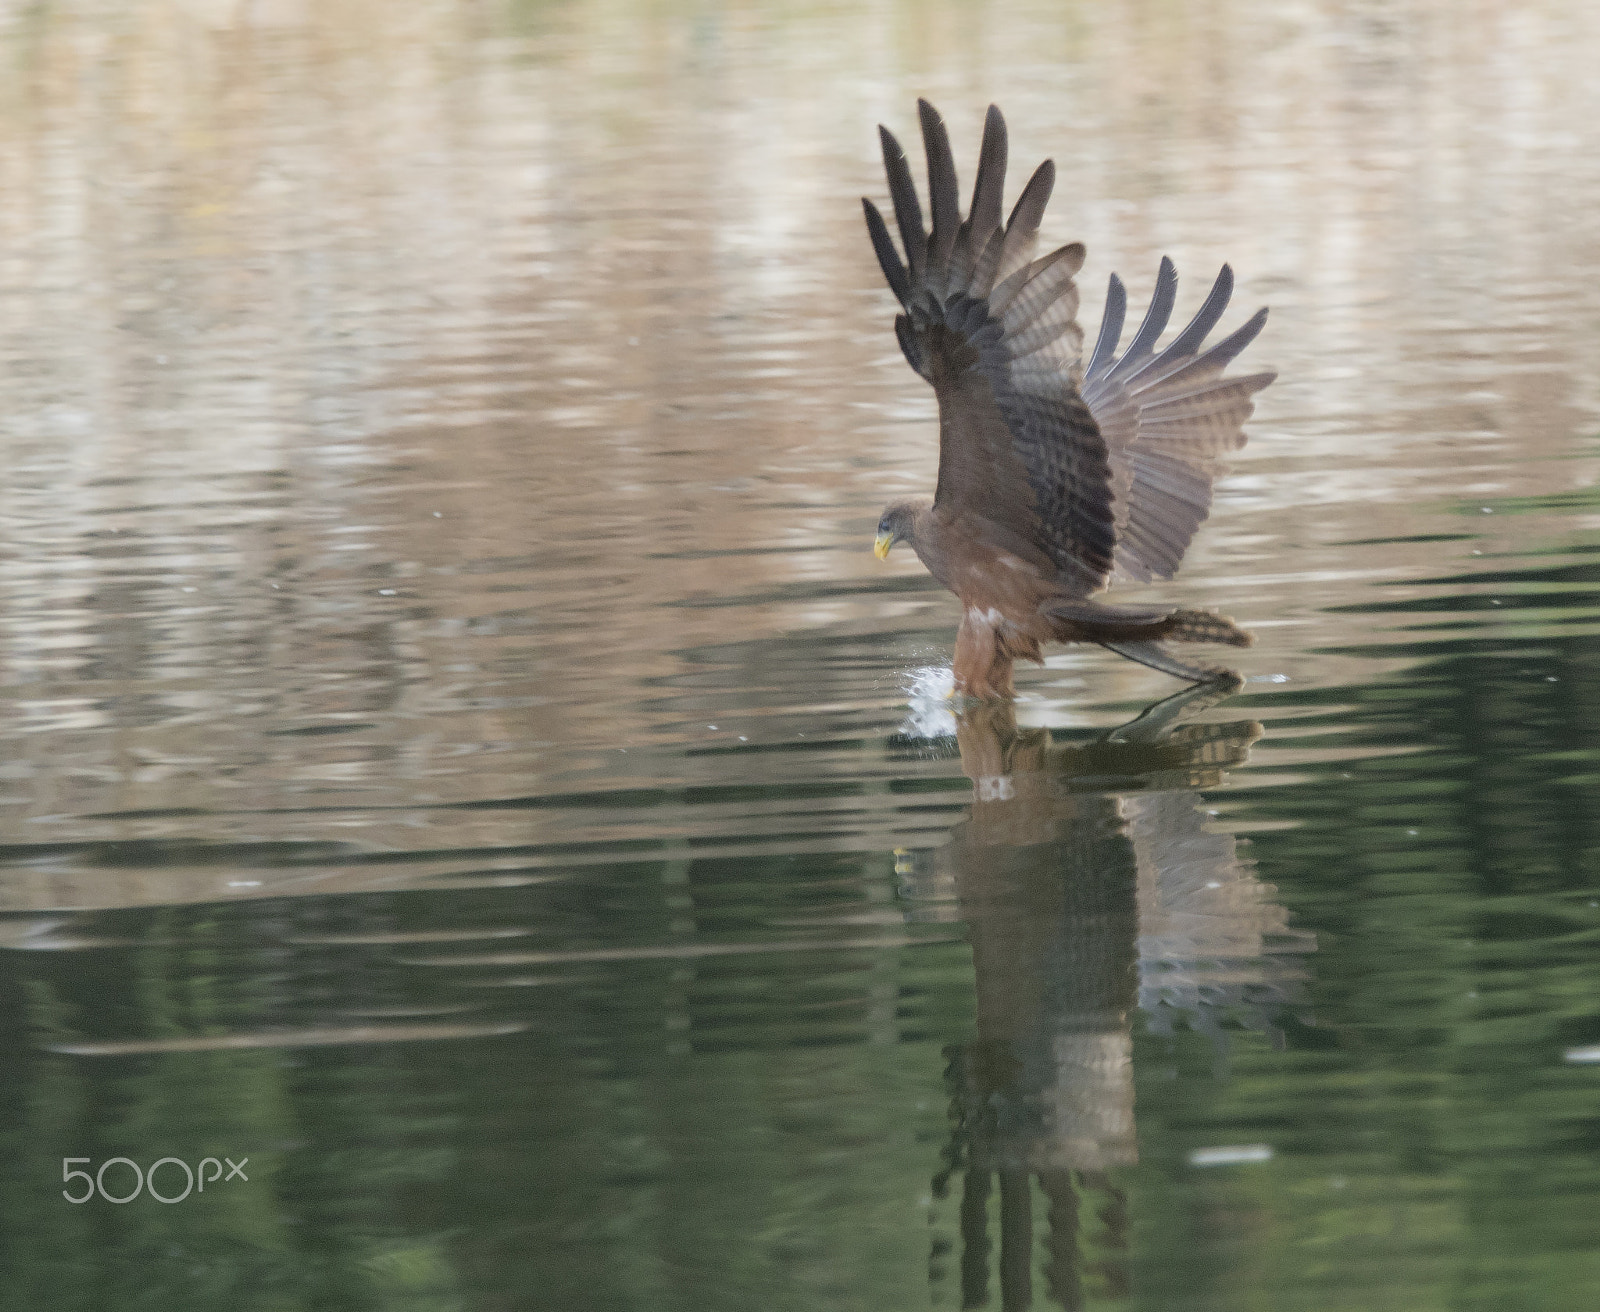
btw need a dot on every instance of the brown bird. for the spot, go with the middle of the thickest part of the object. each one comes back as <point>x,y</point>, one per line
<point>1054,476</point>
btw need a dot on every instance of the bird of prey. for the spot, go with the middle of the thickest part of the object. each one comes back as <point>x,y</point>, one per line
<point>1054,475</point>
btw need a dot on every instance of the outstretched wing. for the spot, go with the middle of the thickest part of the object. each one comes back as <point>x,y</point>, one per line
<point>1167,417</point>
<point>1088,470</point>
<point>996,333</point>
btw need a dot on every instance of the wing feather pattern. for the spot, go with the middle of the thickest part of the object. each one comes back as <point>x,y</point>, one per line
<point>1078,471</point>
<point>995,331</point>
<point>1168,417</point>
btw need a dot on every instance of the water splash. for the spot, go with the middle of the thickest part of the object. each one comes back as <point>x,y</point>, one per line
<point>932,709</point>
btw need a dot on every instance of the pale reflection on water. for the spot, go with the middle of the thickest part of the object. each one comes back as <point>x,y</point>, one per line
<point>442,448</point>
<point>1090,885</point>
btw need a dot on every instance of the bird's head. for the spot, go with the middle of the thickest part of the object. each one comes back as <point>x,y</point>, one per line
<point>898,524</point>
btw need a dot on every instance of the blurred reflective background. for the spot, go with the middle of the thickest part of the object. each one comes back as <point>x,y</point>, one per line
<point>460,753</point>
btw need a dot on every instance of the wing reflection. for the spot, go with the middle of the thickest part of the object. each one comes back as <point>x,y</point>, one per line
<point>1090,885</point>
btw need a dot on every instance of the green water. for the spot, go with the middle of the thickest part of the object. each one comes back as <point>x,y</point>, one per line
<point>788,1127</point>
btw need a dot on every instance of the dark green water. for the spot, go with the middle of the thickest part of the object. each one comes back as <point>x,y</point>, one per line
<point>462,763</point>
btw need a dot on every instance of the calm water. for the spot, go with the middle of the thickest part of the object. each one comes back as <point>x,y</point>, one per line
<point>459,753</point>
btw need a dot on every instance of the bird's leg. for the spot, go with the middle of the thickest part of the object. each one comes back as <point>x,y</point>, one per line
<point>1001,670</point>
<point>982,668</point>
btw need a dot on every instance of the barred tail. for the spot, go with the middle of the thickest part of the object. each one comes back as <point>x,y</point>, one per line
<point>1203,626</point>
<point>1078,620</point>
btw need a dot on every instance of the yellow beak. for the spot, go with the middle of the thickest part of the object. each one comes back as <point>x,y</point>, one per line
<point>881,545</point>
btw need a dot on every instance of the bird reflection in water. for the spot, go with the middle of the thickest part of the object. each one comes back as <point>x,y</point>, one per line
<point>1090,886</point>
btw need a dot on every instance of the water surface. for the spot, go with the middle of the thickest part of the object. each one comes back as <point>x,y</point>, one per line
<point>460,753</point>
